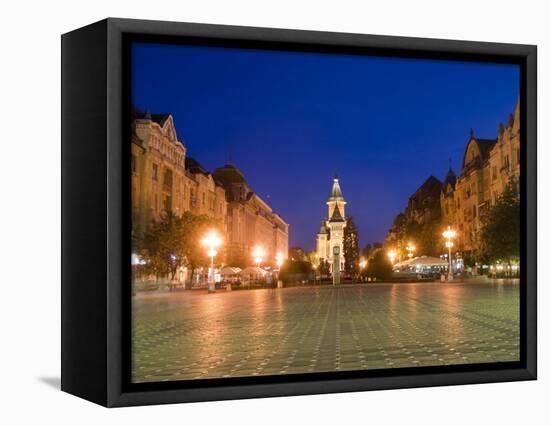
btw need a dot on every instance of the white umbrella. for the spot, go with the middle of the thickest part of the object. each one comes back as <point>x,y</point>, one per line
<point>252,271</point>
<point>229,270</point>
<point>428,261</point>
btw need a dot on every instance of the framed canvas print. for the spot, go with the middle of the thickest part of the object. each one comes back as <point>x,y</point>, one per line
<point>253,212</point>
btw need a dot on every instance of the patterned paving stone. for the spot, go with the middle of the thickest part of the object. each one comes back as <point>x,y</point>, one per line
<point>194,335</point>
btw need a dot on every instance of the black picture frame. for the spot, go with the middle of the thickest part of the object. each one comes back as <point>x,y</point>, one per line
<point>95,212</point>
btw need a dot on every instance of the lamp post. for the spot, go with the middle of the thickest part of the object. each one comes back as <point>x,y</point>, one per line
<point>392,255</point>
<point>258,255</point>
<point>279,259</point>
<point>410,250</point>
<point>362,266</point>
<point>449,234</point>
<point>212,241</point>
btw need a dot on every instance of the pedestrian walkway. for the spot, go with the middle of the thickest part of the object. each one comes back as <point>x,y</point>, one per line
<point>194,335</point>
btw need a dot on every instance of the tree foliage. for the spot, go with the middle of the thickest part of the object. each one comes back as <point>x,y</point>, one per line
<point>426,237</point>
<point>176,240</point>
<point>324,267</point>
<point>297,253</point>
<point>351,247</point>
<point>500,232</point>
<point>379,266</point>
<point>296,270</point>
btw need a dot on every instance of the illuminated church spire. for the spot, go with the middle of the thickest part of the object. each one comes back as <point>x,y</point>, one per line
<point>330,239</point>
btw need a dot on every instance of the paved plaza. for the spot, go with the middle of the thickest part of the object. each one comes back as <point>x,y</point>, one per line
<point>194,335</point>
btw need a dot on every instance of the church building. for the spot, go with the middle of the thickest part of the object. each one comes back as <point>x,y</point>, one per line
<point>330,239</point>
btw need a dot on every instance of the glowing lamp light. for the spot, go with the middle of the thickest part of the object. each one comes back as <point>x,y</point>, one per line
<point>449,233</point>
<point>279,259</point>
<point>212,240</point>
<point>258,254</point>
<point>411,248</point>
<point>392,255</point>
<point>363,264</point>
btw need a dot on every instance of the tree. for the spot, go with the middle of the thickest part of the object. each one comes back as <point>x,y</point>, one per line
<point>195,228</point>
<point>163,245</point>
<point>351,247</point>
<point>324,267</point>
<point>426,237</point>
<point>295,270</point>
<point>297,253</point>
<point>366,252</point>
<point>379,266</point>
<point>176,240</point>
<point>313,258</point>
<point>500,232</point>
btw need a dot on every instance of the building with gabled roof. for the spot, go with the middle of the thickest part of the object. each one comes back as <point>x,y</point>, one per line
<point>488,166</point>
<point>165,178</point>
<point>250,220</point>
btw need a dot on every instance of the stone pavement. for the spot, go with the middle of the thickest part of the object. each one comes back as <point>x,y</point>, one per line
<point>195,335</point>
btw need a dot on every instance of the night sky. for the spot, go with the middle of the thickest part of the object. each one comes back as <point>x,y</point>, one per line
<point>290,121</point>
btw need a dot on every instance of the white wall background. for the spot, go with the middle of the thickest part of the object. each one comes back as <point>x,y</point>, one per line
<point>30,211</point>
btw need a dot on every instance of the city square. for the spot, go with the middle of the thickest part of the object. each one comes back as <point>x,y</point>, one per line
<point>336,223</point>
<point>188,335</point>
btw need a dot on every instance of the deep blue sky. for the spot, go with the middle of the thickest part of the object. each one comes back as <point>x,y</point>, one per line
<point>291,120</point>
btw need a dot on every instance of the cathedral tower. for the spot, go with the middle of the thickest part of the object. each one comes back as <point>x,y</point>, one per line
<point>330,239</point>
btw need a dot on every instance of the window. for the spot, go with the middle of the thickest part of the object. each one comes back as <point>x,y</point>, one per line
<point>133,164</point>
<point>155,172</point>
<point>494,172</point>
<point>168,203</point>
<point>517,156</point>
<point>168,179</point>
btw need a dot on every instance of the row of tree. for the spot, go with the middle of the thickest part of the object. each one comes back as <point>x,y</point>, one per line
<point>173,241</point>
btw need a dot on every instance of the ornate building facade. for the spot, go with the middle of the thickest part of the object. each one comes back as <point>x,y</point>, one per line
<point>487,168</point>
<point>423,208</point>
<point>157,168</point>
<point>165,178</point>
<point>331,233</point>
<point>250,220</point>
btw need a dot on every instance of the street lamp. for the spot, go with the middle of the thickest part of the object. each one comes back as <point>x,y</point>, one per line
<point>392,255</point>
<point>363,264</point>
<point>212,241</point>
<point>258,255</point>
<point>410,249</point>
<point>449,234</point>
<point>279,259</point>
